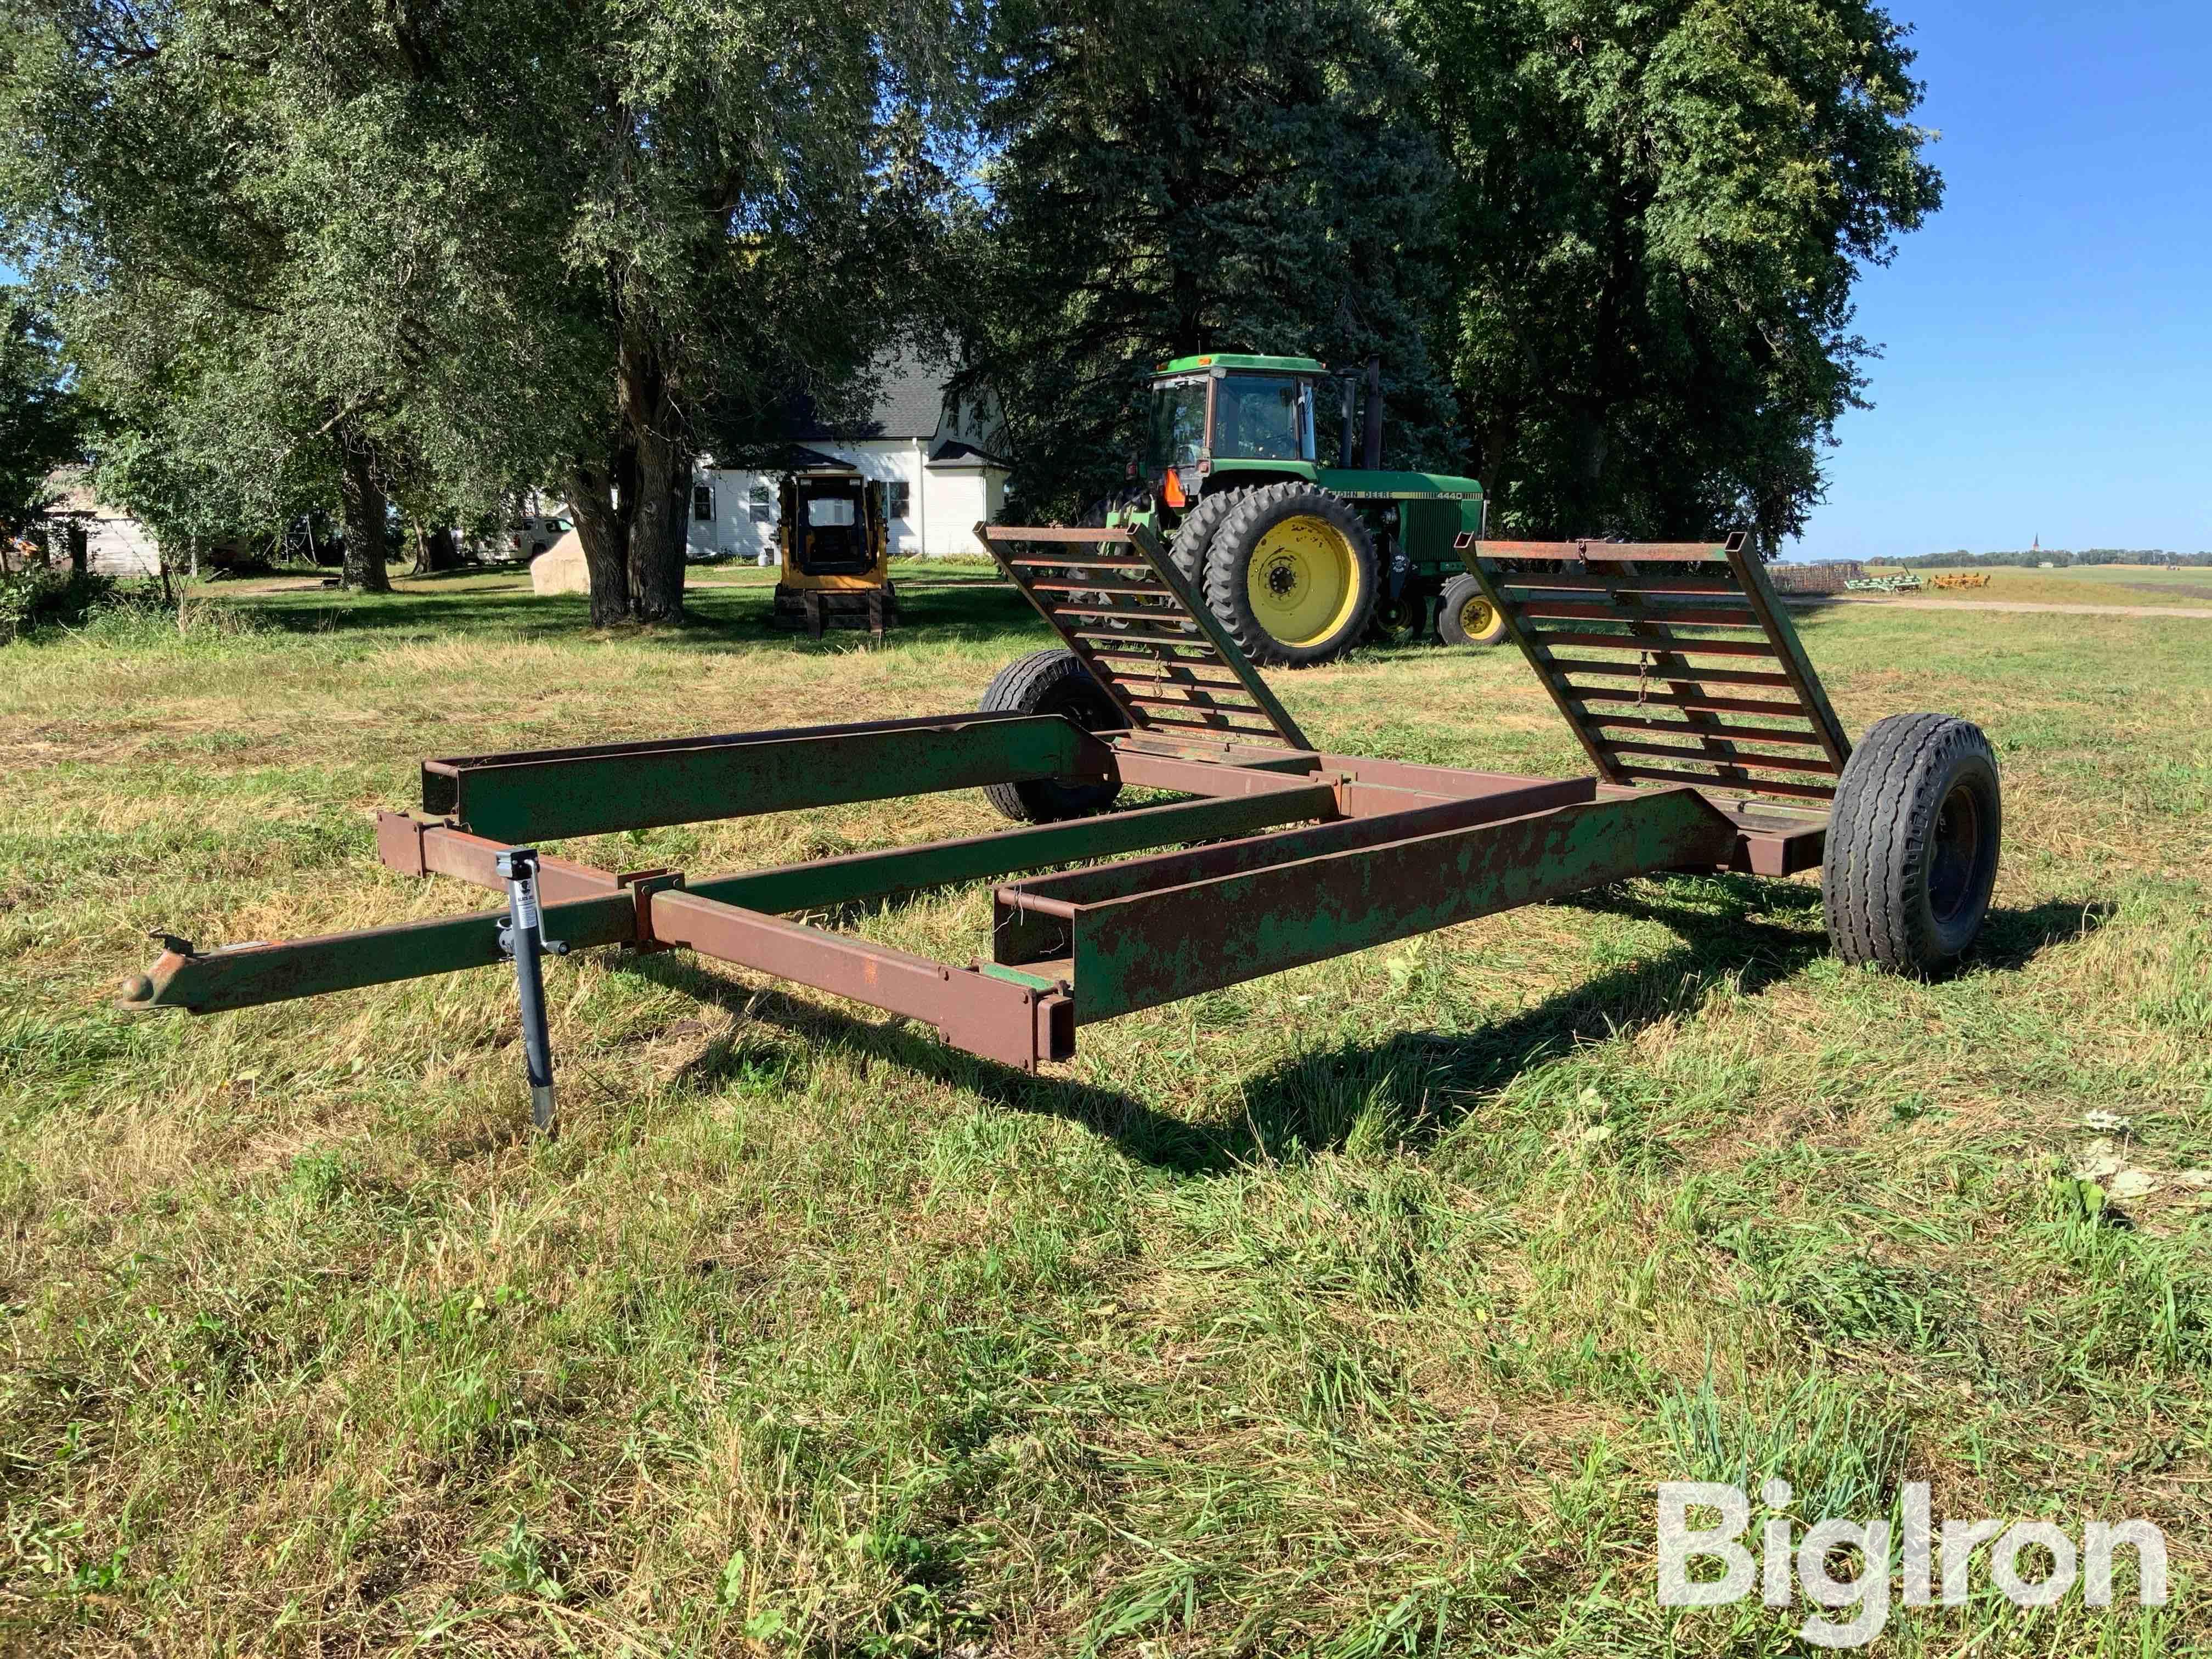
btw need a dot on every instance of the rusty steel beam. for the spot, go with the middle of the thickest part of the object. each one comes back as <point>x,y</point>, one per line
<point>1154,946</point>
<point>407,844</point>
<point>819,883</point>
<point>1013,1019</point>
<point>246,976</point>
<point>1018,934</point>
<point>641,787</point>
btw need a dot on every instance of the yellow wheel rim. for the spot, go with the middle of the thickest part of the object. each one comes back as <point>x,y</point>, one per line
<point>1303,581</point>
<point>1476,617</point>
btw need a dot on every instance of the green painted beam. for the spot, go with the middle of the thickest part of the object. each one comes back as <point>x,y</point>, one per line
<point>1154,947</point>
<point>826,882</point>
<point>246,976</point>
<point>523,799</point>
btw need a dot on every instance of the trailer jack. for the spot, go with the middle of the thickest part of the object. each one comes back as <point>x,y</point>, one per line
<point>1712,745</point>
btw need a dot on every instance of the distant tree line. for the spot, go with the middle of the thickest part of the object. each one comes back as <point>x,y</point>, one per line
<point>426,254</point>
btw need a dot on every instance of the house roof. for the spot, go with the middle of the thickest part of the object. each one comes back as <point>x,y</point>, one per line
<point>910,402</point>
<point>954,453</point>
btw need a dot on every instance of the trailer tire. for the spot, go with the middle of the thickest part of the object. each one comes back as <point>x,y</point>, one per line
<point>1053,682</point>
<point>1912,845</point>
<point>1300,554</point>
<point>1465,615</point>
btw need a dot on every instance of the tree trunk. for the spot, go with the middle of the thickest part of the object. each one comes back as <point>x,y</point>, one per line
<point>656,528</point>
<point>435,551</point>
<point>656,549</point>
<point>364,499</point>
<point>605,541</point>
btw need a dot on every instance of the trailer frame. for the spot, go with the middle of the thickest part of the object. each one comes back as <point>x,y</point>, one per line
<point>1277,854</point>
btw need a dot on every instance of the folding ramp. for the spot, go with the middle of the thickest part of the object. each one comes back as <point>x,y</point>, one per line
<point>1676,664</point>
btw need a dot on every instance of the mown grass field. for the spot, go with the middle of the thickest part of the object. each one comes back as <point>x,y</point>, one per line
<point>1355,1311</point>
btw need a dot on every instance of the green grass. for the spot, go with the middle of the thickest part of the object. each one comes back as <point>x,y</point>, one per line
<point>1355,1311</point>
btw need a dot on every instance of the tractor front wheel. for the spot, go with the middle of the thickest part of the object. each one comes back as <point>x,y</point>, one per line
<point>1466,617</point>
<point>1912,845</point>
<point>1053,682</point>
<point>1292,575</point>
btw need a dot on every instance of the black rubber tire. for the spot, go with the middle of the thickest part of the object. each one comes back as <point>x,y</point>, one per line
<point>1450,628</point>
<point>1229,555</point>
<point>1053,682</point>
<point>1398,621</point>
<point>1912,845</point>
<point>1187,548</point>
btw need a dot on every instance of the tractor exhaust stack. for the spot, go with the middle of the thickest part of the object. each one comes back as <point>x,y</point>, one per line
<point>1370,455</point>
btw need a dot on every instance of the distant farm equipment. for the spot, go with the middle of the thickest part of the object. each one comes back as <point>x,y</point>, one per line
<point>1299,555</point>
<point>1957,579</point>
<point>1903,581</point>
<point>836,556</point>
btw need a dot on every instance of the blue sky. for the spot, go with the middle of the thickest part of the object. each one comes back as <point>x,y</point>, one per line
<point>2047,366</point>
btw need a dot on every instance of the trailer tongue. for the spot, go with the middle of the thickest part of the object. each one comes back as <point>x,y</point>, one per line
<point>1285,855</point>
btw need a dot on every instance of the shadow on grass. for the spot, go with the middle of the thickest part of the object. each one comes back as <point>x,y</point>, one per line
<point>2013,939</point>
<point>1310,1102</point>
<point>721,617</point>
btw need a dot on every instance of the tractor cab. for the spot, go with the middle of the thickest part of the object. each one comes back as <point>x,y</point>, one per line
<point>1235,408</point>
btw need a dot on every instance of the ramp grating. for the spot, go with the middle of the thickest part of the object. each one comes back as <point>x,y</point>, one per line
<point>1117,601</point>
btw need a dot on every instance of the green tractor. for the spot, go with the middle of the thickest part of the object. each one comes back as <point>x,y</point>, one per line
<point>1300,559</point>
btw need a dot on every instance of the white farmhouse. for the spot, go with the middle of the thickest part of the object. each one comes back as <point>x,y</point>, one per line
<point>938,456</point>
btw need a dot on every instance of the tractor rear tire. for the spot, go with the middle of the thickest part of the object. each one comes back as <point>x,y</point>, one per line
<point>1292,575</point>
<point>1465,615</point>
<point>1053,682</point>
<point>1912,845</point>
<point>1187,548</point>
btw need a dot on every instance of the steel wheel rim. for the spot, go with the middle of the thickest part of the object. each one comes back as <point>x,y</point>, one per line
<point>1476,616</point>
<point>1303,582</point>
<point>1954,854</point>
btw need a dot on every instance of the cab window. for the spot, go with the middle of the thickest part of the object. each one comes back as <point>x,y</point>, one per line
<point>1264,417</point>
<point>1178,436</point>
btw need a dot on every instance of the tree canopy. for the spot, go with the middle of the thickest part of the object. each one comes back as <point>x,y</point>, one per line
<point>410,248</point>
<point>41,418</point>
<point>1657,212</point>
<point>1166,179</point>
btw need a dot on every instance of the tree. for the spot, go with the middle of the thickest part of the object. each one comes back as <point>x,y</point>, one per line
<point>506,243</point>
<point>42,421</point>
<point>1168,179</point>
<point>1658,211</point>
<point>755,187</point>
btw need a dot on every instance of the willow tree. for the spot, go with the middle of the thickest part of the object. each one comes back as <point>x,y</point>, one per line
<point>749,186</point>
<point>284,248</point>
<point>498,245</point>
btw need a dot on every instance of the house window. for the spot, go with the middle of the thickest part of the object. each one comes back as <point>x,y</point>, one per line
<point>896,498</point>
<point>758,505</point>
<point>703,502</point>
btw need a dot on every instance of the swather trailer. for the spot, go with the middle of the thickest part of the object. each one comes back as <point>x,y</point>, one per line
<point>1712,745</point>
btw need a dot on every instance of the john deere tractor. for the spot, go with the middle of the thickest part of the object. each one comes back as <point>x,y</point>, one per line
<point>1301,559</point>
